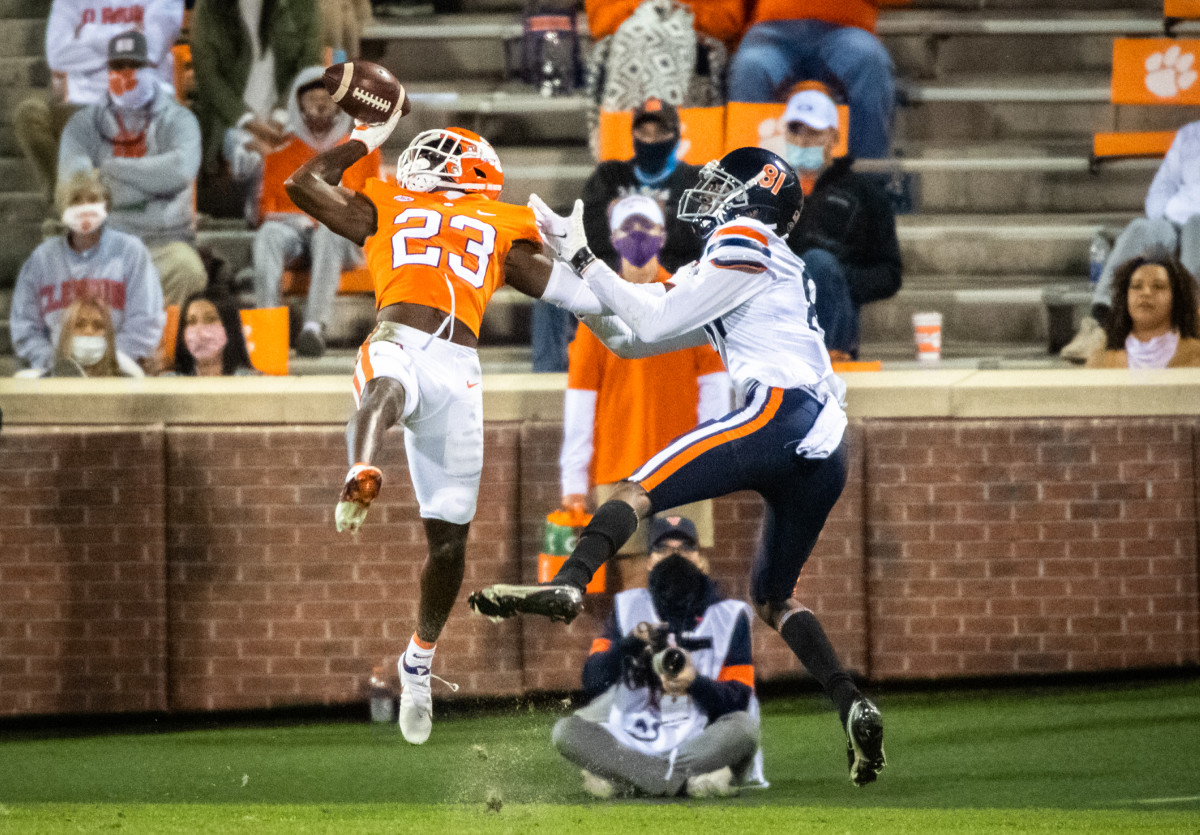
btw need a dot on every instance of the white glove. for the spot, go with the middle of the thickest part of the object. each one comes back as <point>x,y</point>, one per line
<point>564,235</point>
<point>552,227</point>
<point>375,135</point>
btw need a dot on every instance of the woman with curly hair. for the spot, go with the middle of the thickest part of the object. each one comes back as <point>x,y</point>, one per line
<point>1154,318</point>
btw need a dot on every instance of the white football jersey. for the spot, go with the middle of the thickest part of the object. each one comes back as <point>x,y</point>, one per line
<point>771,335</point>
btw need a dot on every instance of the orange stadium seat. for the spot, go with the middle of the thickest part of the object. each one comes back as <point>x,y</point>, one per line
<point>702,134</point>
<point>266,331</point>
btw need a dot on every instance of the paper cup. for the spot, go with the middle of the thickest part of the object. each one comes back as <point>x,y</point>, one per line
<point>927,330</point>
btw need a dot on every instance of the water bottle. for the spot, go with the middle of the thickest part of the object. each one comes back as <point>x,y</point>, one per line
<point>380,695</point>
<point>1097,257</point>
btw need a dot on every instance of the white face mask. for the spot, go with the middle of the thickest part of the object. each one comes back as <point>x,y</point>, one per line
<point>127,96</point>
<point>88,350</point>
<point>84,217</point>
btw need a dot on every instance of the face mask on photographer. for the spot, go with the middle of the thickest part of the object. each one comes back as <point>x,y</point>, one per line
<point>654,161</point>
<point>678,587</point>
<point>131,88</point>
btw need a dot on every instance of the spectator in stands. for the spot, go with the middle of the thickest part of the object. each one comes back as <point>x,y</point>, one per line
<point>648,730</point>
<point>342,24</point>
<point>846,235</point>
<point>831,42</point>
<point>245,55</point>
<point>1153,318</point>
<point>316,124</point>
<point>210,341</point>
<point>619,412</point>
<point>655,170</point>
<point>87,346</point>
<point>89,260</point>
<point>77,38</point>
<point>690,41</point>
<point>147,148</point>
<point>1171,224</point>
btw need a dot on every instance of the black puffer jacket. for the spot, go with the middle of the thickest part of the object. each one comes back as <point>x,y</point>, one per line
<point>849,215</point>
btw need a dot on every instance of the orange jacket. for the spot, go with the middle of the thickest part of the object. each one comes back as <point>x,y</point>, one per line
<point>724,20</point>
<point>642,404</point>
<point>860,13</point>
<point>281,164</point>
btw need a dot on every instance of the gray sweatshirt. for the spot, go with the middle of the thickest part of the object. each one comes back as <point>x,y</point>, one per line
<point>117,269</point>
<point>153,196</point>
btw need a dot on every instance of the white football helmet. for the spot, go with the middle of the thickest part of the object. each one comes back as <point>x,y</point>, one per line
<point>450,158</point>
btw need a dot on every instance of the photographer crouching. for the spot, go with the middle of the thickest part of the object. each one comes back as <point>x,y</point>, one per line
<point>672,685</point>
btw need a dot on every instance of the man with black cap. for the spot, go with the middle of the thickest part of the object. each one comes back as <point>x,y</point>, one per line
<point>655,171</point>
<point>147,148</point>
<point>660,728</point>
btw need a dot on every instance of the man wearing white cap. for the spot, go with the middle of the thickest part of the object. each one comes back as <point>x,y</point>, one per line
<point>618,412</point>
<point>846,235</point>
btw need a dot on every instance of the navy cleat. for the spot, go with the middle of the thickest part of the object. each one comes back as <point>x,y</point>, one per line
<point>557,602</point>
<point>864,745</point>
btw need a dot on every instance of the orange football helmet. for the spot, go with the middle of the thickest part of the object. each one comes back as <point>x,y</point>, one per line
<point>450,159</point>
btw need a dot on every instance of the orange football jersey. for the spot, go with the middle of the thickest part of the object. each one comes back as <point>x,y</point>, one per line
<point>442,252</point>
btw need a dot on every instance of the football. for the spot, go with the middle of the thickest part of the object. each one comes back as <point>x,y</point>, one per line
<point>367,91</point>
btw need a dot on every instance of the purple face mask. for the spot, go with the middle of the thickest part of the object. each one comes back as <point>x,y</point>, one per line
<point>639,247</point>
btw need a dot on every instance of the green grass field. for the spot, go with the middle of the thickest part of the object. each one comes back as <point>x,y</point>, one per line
<point>1106,758</point>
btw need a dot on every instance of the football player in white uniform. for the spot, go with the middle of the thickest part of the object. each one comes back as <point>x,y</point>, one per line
<point>749,297</point>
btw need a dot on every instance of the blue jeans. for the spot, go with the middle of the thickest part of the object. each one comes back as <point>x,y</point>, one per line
<point>776,54</point>
<point>836,312</point>
<point>551,331</point>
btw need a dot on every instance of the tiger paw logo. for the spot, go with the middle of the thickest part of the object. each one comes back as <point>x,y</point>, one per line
<point>1169,73</point>
<point>771,134</point>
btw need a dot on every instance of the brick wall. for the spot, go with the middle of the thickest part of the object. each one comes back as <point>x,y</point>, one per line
<point>82,565</point>
<point>1001,547</point>
<point>270,606</point>
<point>958,548</point>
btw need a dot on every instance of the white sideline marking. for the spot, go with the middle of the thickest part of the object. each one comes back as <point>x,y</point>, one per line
<point>1150,801</point>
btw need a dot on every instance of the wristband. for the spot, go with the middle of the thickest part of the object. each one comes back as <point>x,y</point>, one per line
<point>582,259</point>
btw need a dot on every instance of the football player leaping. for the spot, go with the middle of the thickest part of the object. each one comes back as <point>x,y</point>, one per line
<point>748,296</point>
<point>438,244</point>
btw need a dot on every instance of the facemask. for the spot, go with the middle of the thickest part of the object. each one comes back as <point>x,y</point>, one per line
<point>130,89</point>
<point>205,341</point>
<point>84,217</point>
<point>678,588</point>
<point>805,158</point>
<point>88,350</point>
<point>654,160</point>
<point>639,247</point>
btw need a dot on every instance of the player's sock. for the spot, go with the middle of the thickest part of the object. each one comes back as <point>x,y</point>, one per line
<point>419,652</point>
<point>610,528</point>
<point>802,632</point>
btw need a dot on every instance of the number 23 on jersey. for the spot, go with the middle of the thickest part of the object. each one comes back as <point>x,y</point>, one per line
<point>414,243</point>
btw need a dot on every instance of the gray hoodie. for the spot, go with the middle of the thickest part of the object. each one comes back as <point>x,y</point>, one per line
<point>153,196</point>
<point>117,269</point>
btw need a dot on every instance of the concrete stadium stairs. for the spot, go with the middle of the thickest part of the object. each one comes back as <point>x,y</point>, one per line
<point>999,102</point>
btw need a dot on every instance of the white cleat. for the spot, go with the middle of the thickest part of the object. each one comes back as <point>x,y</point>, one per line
<point>416,702</point>
<point>717,783</point>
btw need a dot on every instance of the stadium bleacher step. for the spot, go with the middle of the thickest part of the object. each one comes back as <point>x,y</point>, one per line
<point>1001,244</point>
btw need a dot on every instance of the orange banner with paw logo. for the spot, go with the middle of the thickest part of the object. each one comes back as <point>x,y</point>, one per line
<point>1155,71</point>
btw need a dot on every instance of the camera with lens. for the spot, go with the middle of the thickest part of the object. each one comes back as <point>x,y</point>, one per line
<point>651,656</point>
